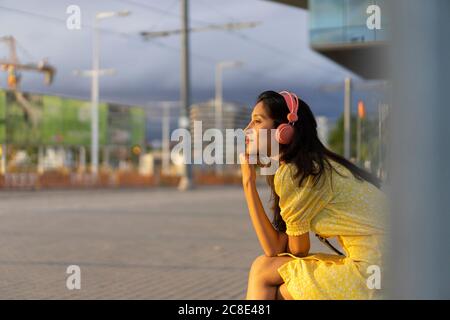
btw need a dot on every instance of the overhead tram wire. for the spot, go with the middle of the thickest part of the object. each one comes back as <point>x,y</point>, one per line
<point>269,47</point>
<point>275,50</point>
<point>175,15</point>
<point>168,9</point>
<point>233,32</point>
<point>157,43</point>
<point>260,43</point>
<point>59,20</point>
<point>203,58</point>
<point>149,7</point>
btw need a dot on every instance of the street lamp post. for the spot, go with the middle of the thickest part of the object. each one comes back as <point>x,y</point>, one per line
<point>185,88</point>
<point>167,105</point>
<point>359,128</point>
<point>185,91</point>
<point>347,117</point>
<point>218,103</point>
<point>95,84</point>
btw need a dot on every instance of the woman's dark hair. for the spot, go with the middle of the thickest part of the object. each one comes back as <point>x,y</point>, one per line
<point>306,151</point>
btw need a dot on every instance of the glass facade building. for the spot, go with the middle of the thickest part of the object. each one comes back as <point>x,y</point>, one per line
<point>338,30</point>
<point>337,22</point>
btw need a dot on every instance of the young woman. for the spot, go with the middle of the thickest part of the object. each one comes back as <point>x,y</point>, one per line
<point>314,191</point>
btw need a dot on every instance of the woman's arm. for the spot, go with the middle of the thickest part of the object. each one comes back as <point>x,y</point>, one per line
<point>299,245</point>
<point>272,241</point>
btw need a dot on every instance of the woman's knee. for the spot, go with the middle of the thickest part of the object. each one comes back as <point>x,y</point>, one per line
<point>259,266</point>
<point>283,293</point>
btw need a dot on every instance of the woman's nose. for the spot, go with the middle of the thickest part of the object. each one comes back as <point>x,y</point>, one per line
<point>249,126</point>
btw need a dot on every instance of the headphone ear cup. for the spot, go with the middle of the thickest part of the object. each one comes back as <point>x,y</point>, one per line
<point>284,133</point>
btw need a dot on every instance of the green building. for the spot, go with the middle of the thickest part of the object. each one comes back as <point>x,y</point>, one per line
<point>35,123</point>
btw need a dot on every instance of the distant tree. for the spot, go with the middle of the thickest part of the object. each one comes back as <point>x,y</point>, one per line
<point>369,140</point>
<point>336,136</point>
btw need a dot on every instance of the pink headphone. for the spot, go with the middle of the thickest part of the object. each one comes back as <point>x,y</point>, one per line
<point>285,131</point>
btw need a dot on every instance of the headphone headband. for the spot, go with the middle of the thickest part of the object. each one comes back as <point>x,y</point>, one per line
<point>292,104</point>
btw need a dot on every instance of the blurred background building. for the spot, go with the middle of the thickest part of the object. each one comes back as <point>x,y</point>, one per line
<point>234,116</point>
<point>338,30</point>
<point>42,133</point>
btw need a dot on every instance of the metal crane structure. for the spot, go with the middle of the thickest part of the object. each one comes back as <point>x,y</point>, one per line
<point>12,66</point>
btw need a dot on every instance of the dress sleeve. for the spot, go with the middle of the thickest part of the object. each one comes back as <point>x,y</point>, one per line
<point>299,204</point>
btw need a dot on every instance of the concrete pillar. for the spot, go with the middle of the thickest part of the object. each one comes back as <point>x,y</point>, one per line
<point>419,152</point>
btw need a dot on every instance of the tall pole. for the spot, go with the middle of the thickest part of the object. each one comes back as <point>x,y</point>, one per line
<point>186,179</point>
<point>166,140</point>
<point>40,160</point>
<point>218,109</point>
<point>380,142</point>
<point>95,73</point>
<point>358,140</point>
<point>82,159</point>
<point>361,116</point>
<point>347,117</point>
<point>94,99</point>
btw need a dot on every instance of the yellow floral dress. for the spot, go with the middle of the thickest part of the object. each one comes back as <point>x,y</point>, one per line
<point>338,206</point>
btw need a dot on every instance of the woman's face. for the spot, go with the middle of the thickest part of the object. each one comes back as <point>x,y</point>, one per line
<point>260,120</point>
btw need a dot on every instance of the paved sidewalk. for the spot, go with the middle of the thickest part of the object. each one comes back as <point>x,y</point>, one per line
<point>129,244</point>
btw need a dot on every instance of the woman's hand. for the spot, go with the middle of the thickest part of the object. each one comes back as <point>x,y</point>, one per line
<point>248,170</point>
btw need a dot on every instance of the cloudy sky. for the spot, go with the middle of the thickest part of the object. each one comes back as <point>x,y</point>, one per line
<point>276,53</point>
